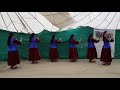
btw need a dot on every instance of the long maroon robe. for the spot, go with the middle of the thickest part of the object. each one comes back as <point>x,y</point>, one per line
<point>34,54</point>
<point>92,53</point>
<point>53,53</point>
<point>106,53</point>
<point>73,54</point>
<point>13,57</point>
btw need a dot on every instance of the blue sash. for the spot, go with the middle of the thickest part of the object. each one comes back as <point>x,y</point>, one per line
<point>72,45</point>
<point>53,45</point>
<point>91,44</point>
<point>106,45</point>
<point>33,43</point>
<point>12,47</point>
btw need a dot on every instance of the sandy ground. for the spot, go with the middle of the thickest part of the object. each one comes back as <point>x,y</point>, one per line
<point>61,69</point>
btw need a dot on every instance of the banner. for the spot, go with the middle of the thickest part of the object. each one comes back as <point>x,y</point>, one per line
<point>98,33</point>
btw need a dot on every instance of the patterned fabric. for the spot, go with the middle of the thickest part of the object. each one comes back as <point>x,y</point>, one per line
<point>91,44</point>
<point>12,47</point>
<point>106,44</point>
<point>33,43</point>
<point>72,45</point>
<point>53,45</point>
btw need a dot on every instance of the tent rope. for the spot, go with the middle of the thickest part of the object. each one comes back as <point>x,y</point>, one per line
<point>37,20</point>
<point>35,15</point>
<point>27,18</point>
<point>89,18</point>
<point>69,19</point>
<point>79,20</point>
<point>103,20</point>
<point>94,18</point>
<point>118,23</point>
<point>4,21</point>
<point>12,22</point>
<point>9,24</point>
<point>111,21</point>
<point>24,21</point>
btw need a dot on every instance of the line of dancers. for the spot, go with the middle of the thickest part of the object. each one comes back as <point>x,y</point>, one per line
<point>34,54</point>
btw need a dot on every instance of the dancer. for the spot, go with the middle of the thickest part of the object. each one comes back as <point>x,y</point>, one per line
<point>106,50</point>
<point>13,55</point>
<point>73,55</point>
<point>53,53</point>
<point>92,53</point>
<point>34,54</point>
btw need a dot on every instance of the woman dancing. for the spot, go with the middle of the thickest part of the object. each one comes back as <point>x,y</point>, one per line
<point>73,54</point>
<point>106,50</point>
<point>92,53</point>
<point>34,54</point>
<point>53,53</point>
<point>13,55</point>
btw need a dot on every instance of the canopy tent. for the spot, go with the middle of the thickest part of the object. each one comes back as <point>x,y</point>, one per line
<point>36,22</point>
<point>63,24</point>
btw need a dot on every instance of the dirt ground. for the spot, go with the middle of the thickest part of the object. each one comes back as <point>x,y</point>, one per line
<point>61,69</point>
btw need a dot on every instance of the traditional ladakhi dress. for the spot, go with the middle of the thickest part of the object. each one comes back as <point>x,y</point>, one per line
<point>13,56</point>
<point>106,51</point>
<point>53,53</point>
<point>34,54</point>
<point>92,53</point>
<point>73,54</point>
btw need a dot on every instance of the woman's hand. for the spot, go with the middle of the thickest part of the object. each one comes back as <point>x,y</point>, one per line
<point>60,39</point>
<point>112,39</point>
<point>38,38</point>
<point>80,40</point>
<point>21,39</point>
<point>100,39</point>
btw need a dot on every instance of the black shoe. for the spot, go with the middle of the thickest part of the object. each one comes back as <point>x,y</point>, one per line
<point>92,61</point>
<point>109,63</point>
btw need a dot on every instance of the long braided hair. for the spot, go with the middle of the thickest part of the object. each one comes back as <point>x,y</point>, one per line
<point>71,38</point>
<point>9,37</point>
<point>32,35</point>
<point>52,40</point>
<point>104,35</point>
<point>89,37</point>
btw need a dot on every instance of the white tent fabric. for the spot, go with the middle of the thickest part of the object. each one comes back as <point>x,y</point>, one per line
<point>36,22</point>
<point>26,22</point>
<point>101,20</point>
<point>59,19</point>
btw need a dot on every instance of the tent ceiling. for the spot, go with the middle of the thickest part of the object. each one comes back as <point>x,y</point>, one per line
<point>59,19</point>
<point>102,20</point>
<point>28,22</point>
